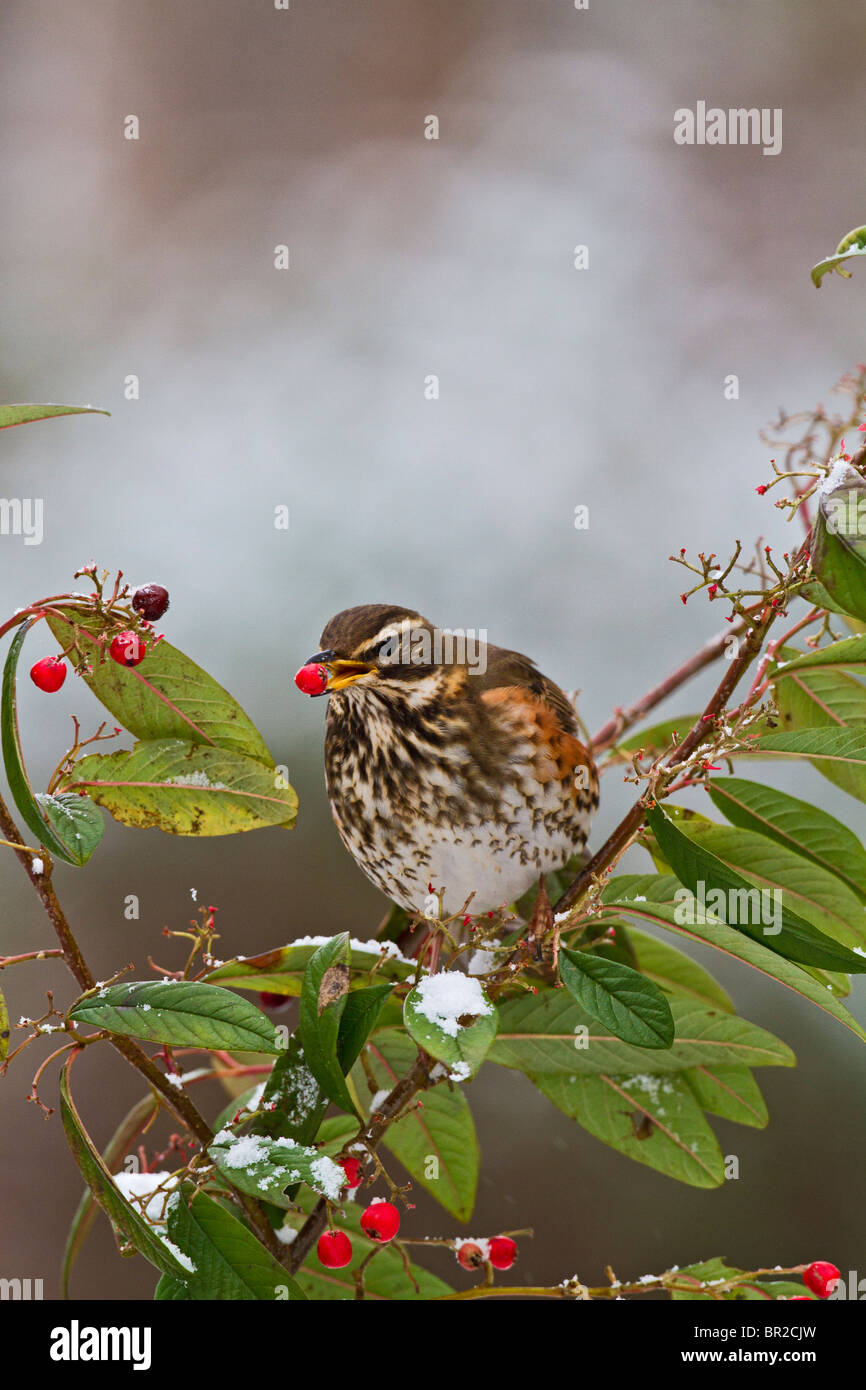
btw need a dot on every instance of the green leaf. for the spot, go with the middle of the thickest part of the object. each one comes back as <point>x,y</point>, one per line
<point>183,1013</point>
<point>323,1000</point>
<point>300,1101</point>
<point>117,1148</point>
<point>27,804</point>
<point>838,754</point>
<point>731,1092</point>
<point>632,1007</point>
<point>184,789</point>
<point>652,898</point>
<point>838,548</point>
<point>676,972</point>
<point>170,1291</point>
<point>121,1213</point>
<point>167,696</point>
<point>845,655</point>
<point>229,1262</point>
<point>851,246</point>
<point>25,414</point>
<point>360,1015</point>
<point>762,1289</point>
<point>4,1029</point>
<point>817,694</point>
<point>813,892</point>
<point>652,1119</point>
<point>264,1167</point>
<point>75,820</point>
<point>282,971</point>
<point>385,1276</point>
<point>460,1040</point>
<point>436,1144</point>
<point>796,939</point>
<point>836,263</point>
<point>548,1032</point>
<point>706,1272</point>
<point>799,826</point>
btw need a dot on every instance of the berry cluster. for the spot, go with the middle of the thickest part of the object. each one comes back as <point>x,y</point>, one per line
<point>380,1221</point>
<point>127,648</point>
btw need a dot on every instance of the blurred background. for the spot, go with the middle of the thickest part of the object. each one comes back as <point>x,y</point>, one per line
<point>558,387</point>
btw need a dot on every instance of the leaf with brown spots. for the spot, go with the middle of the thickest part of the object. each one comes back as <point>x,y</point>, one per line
<point>335,983</point>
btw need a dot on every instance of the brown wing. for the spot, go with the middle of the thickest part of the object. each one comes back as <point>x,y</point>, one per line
<point>507,668</point>
<point>513,682</point>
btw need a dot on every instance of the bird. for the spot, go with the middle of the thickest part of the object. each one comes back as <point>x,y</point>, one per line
<point>452,766</point>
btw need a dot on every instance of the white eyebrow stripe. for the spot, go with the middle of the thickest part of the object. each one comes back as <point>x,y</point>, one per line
<point>394,630</point>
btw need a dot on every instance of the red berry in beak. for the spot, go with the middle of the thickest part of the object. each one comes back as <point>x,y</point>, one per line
<point>49,674</point>
<point>312,680</point>
<point>127,649</point>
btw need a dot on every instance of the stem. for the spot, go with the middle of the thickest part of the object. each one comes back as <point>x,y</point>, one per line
<point>29,955</point>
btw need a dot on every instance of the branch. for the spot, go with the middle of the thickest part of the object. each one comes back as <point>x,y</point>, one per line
<point>621,837</point>
<point>174,1097</point>
<point>624,718</point>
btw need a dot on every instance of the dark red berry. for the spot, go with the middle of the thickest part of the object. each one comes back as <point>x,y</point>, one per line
<point>821,1277</point>
<point>381,1222</point>
<point>151,601</point>
<point>49,673</point>
<point>470,1255</point>
<point>352,1168</point>
<point>334,1249</point>
<point>127,649</point>
<point>312,679</point>
<point>274,1001</point>
<point>503,1252</point>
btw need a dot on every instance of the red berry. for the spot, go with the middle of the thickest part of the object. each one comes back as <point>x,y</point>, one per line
<point>274,1001</point>
<point>312,679</point>
<point>470,1255</point>
<point>352,1168</point>
<point>334,1249</point>
<point>381,1222</point>
<point>151,601</point>
<point>821,1277</point>
<point>49,673</point>
<point>127,649</point>
<point>503,1252</point>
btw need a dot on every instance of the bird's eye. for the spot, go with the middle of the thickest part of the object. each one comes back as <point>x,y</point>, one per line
<point>389,652</point>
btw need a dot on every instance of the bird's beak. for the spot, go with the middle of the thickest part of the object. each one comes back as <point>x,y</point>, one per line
<point>340,673</point>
